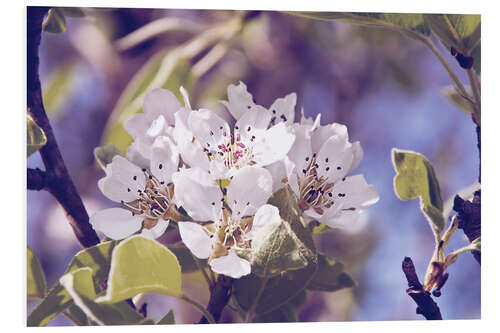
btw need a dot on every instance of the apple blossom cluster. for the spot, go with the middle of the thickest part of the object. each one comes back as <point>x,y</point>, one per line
<point>222,176</point>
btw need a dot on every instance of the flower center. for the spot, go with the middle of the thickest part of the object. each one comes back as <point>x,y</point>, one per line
<point>154,201</point>
<point>230,151</point>
<point>229,232</point>
<point>315,191</point>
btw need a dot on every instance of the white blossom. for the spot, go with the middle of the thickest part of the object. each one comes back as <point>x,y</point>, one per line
<point>224,225</point>
<point>146,194</point>
<point>240,101</point>
<point>223,150</point>
<point>317,168</point>
<point>163,116</point>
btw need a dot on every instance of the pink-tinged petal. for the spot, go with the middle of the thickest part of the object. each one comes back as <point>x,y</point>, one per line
<point>231,265</point>
<point>164,159</point>
<point>157,231</point>
<point>273,145</point>
<point>123,180</point>
<point>160,102</point>
<point>196,239</point>
<point>137,125</point>
<point>116,223</point>
<point>309,122</point>
<point>249,189</point>
<point>321,134</point>
<point>283,109</point>
<point>266,219</point>
<point>196,191</point>
<point>240,100</point>
<point>208,128</point>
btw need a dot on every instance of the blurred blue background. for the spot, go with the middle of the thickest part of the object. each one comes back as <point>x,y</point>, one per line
<point>385,87</point>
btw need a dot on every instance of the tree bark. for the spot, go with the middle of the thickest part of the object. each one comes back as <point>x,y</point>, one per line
<point>56,177</point>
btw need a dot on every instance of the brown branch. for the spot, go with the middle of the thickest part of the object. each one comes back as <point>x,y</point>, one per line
<point>469,218</point>
<point>219,297</point>
<point>37,179</point>
<point>425,304</point>
<point>57,180</point>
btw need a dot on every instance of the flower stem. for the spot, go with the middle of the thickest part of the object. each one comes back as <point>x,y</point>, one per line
<point>210,282</point>
<point>476,91</point>
<point>200,308</point>
<point>251,311</point>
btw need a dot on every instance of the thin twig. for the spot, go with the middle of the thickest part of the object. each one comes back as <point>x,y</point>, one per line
<point>59,183</point>
<point>425,304</point>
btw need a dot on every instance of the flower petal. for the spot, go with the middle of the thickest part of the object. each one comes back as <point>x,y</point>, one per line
<point>136,155</point>
<point>164,159</point>
<point>251,124</point>
<point>137,125</point>
<point>231,265</point>
<point>157,231</point>
<point>198,194</point>
<point>266,219</point>
<point>334,159</point>
<point>160,102</point>
<point>196,239</point>
<point>283,109</point>
<point>273,145</point>
<point>301,152</point>
<point>281,172</point>
<point>123,180</point>
<point>249,189</point>
<point>192,154</point>
<point>239,100</point>
<point>208,128</point>
<point>321,134</point>
<point>354,192</point>
<point>116,223</point>
<point>181,132</point>
<point>357,153</point>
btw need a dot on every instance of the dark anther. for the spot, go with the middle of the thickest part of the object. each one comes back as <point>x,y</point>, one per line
<point>304,171</point>
<point>274,111</point>
<point>339,168</point>
<point>327,168</point>
<point>128,190</point>
<point>160,166</point>
<point>135,178</point>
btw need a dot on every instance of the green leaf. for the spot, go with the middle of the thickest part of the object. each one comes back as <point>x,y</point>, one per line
<point>58,87</point>
<point>451,93</point>
<point>104,154</point>
<point>36,137</point>
<point>71,11</point>
<point>278,289</point>
<point>330,276</point>
<point>36,278</point>
<point>461,31</point>
<point>286,313</point>
<point>80,286</point>
<point>404,22</point>
<point>141,265</point>
<point>415,178</point>
<point>185,258</point>
<point>97,258</point>
<point>168,319</point>
<point>54,22</point>
<point>289,246</point>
